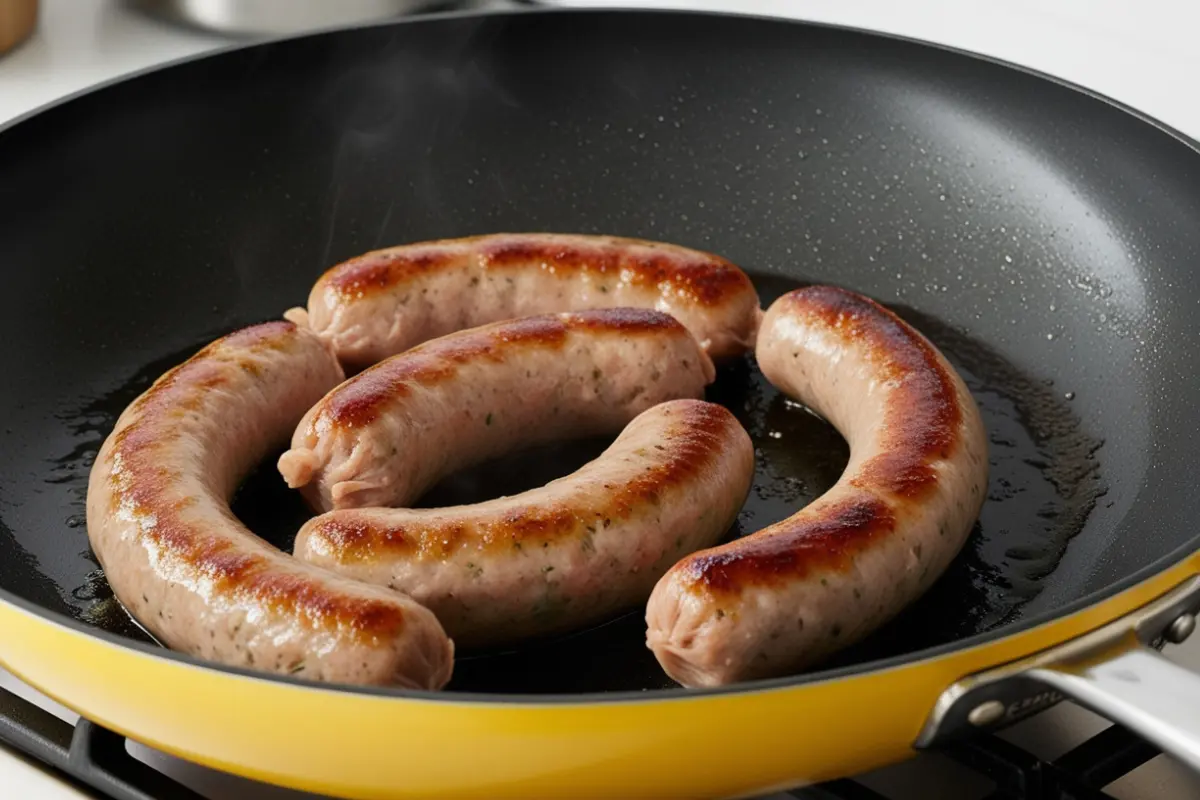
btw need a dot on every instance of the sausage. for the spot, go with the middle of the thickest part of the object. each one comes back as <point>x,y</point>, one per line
<point>568,554</point>
<point>159,522</point>
<point>391,432</point>
<point>786,596</point>
<point>386,301</point>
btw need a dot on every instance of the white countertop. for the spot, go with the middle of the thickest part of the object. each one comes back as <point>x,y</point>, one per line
<point>1141,53</point>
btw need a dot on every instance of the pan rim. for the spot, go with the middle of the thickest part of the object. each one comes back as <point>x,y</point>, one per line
<point>631,697</point>
<point>913,660</point>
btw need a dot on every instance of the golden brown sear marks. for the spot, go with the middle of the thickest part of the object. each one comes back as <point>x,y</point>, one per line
<point>687,448</point>
<point>146,490</point>
<point>704,278</point>
<point>362,399</point>
<point>920,428</point>
<point>923,421</point>
<point>379,270</point>
<point>826,540</point>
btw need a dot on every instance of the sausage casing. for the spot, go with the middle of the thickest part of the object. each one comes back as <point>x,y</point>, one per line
<point>386,301</point>
<point>784,597</point>
<point>175,555</point>
<point>564,555</point>
<point>392,431</point>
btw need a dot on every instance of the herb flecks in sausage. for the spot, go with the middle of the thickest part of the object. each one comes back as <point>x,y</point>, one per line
<point>160,523</point>
<point>361,308</point>
<point>837,569</point>
<point>365,443</point>
<point>603,535</point>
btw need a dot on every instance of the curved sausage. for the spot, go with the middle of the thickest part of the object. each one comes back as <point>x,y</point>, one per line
<point>391,432</point>
<point>568,554</point>
<point>386,301</point>
<point>786,596</point>
<point>159,521</point>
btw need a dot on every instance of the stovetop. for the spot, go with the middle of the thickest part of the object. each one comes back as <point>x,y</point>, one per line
<point>1139,53</point>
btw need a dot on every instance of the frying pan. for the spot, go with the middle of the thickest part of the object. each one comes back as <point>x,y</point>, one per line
<point>1044,237</point>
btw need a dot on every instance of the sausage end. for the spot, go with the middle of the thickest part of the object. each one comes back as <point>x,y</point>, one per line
<point>297,466</point>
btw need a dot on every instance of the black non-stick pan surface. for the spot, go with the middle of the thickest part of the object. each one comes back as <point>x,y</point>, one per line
<point>1044,238</point>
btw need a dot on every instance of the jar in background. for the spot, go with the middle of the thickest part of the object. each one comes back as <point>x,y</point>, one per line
<point>17,20</point>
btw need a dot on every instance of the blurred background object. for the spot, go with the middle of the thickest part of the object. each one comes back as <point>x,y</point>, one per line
<point>17,20</point>
<point>281,17</point>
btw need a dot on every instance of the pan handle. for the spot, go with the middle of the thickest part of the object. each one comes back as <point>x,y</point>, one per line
<point>1116,671</point>
<point>1143,691</point>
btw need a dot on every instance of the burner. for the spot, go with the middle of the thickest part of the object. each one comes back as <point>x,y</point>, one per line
<point>97,761</point>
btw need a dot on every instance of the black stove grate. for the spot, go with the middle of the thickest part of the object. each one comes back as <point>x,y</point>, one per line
<point>92,758</point>
<point>1081,774</point>
<point>97,762</point>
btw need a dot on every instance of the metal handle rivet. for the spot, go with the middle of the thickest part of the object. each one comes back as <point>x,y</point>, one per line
<point>1180,629</point>
<point>986,713</point>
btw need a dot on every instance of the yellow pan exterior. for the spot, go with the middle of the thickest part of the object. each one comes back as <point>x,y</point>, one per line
<point>359,745</point>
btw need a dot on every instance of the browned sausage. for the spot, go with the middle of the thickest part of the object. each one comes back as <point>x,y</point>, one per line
<point>389,433</point>
<point>784,597</point>
<point>159,521</point>
<point>384,302</point>
<point>573,552</point>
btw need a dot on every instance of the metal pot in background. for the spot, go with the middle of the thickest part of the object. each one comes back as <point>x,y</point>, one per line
<point>18,18</point>
<point>282,17</point>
